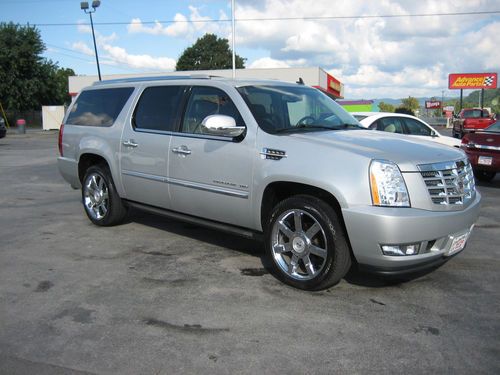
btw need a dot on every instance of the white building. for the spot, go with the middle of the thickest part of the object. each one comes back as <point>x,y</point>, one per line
<point>316,77</point>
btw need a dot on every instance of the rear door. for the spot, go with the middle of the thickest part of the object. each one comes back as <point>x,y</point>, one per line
<point>211,176</point>
<point>145,142</point>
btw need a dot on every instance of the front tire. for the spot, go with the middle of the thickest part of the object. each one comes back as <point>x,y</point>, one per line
<point>100,199</point>
<point>306,244</point>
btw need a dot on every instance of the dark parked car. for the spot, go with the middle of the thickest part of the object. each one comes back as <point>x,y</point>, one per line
<point>3,129</point>
<point>483,150</point>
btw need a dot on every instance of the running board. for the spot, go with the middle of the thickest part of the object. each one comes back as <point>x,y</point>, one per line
<point>242,232</point>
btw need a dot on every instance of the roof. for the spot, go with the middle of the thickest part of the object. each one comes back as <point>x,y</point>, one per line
<point>238,82</point>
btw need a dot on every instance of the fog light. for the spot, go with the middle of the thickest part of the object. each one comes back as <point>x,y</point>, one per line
<point>398,250</point>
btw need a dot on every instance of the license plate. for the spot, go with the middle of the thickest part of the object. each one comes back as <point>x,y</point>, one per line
<point>485,160</point>
<point>458,244</point>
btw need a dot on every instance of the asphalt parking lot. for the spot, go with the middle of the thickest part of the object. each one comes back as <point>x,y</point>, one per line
<point>154,296</point>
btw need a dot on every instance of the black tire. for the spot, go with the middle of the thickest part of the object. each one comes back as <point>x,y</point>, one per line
<point>103,209</point>
<point>484,176</point>
<point>306,269</point>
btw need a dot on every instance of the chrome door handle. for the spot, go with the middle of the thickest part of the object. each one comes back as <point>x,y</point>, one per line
<point>183,150</point>
<point>130,143</point>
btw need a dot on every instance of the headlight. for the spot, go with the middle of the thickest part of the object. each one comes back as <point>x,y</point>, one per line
<point>387,185</point>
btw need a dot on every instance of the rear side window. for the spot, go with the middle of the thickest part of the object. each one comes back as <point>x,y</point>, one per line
<point>416,128</point>
<point>390,125</point>
<point>157,108</point>
<point>99,107</point>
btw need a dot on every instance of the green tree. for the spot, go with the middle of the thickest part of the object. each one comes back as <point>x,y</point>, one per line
<point>404,110</point>
<point>207,53</point>
<point>410,103</point>
<point>386,107</point>
<point>27,80</point>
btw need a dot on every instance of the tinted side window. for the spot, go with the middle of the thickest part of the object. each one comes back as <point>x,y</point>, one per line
<point>99,107</point>
<point>416,128</point>
<point>390,124</point>
<point>157,108</point>
<point>206,101</point>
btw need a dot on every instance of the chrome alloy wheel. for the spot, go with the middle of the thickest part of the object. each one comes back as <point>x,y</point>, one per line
<point>299,245</point>
<point>95,196</point>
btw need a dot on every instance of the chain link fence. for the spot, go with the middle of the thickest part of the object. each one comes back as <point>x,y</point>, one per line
<point>33,118</point>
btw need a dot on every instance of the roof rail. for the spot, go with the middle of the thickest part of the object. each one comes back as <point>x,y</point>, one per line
<point>153,78</point>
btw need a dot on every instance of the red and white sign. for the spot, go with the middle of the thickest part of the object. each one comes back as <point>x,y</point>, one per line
<point>472,81</point>
<point>432,104</point>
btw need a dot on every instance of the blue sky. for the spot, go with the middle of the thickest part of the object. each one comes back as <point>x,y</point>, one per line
<point>375,57</point>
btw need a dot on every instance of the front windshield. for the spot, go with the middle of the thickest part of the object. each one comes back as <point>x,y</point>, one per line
<point>495,127</point>
<point>284,109</point>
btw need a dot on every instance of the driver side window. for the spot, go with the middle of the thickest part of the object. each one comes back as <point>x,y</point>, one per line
<point>206,101</point>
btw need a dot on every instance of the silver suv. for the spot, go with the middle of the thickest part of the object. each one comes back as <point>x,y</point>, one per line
<point>269,158</point>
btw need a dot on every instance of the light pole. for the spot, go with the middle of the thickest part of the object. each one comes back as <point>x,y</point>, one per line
<point>233,38</point>
<point>85,7</point>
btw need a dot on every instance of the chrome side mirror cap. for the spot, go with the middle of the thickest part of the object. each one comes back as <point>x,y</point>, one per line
<point>221,125</point>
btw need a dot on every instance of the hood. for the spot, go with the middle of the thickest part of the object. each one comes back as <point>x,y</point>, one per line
<point>406,152</point>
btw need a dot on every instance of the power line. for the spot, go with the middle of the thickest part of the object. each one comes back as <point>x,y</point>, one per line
<point>315,18</point>
<point>129,69</point>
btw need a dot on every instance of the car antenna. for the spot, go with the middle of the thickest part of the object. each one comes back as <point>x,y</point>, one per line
<point>300,81</point>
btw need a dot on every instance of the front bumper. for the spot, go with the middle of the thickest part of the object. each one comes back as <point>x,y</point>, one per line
<point>369,227</point>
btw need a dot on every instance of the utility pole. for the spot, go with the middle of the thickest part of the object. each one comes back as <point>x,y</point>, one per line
<point>85,7</point>
<point>233,38</point>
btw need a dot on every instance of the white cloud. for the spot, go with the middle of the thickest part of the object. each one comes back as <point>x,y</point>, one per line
<point>120,55</point>
<point>267,62</point>
<point>116,56</point>
<point>179,28</point>
<point>83,28</point>
<point>83,47</point>
<point>373,56</point>
<point>184,26</point>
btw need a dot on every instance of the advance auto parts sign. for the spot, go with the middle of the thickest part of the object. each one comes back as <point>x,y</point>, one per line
<point>472,81</point>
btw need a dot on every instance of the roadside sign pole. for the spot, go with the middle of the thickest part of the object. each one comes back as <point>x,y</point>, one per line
<point>461,98</point>
<point>482,99</point>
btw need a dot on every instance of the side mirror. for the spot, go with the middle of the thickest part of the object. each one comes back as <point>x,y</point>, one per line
<point>433,134</point>
<point>221,125</point>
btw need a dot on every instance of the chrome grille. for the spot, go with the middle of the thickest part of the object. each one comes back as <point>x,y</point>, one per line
<point>449,183</point>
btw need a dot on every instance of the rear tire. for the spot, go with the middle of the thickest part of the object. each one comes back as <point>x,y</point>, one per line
<point>484,175</point>
<point>100,199</point>
<point>306,244</point>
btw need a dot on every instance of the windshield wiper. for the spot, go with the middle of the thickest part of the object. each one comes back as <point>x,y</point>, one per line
<point>303,126</point>
<point>317,127</point>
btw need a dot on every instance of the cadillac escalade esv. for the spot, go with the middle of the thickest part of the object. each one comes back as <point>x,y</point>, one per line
<point>274,160</point>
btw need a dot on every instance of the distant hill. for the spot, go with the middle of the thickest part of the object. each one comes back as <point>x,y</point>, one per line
<point>397,102</point>
<point>491,99</point>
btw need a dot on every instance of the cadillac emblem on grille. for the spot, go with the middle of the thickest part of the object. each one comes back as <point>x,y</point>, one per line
<point>449,183</point>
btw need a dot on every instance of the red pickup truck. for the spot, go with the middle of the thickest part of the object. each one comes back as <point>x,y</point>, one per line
<point>471,120</point>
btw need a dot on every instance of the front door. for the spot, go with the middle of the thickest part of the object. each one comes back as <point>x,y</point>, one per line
<point>210,176</point>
